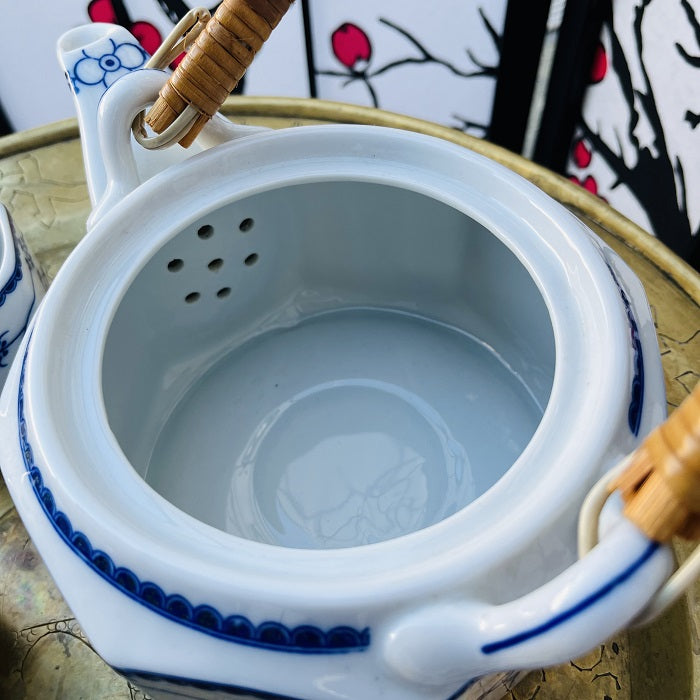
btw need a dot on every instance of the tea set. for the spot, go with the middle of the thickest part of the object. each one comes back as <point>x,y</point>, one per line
<point>312,412</point>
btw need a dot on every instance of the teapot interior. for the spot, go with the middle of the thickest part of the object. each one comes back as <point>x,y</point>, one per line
<point>328,364</point>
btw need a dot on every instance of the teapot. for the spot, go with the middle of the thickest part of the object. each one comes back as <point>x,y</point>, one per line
<point>311,412</point>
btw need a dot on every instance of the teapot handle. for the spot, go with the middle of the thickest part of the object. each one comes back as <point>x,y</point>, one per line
<point>595,597</point>
<point>212,68</point>
<point>615,583</point>
<point>119,106</point>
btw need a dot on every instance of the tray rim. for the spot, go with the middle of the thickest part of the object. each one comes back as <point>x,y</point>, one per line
<point>302,108</point>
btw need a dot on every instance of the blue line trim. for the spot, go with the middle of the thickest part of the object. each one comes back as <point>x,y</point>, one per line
<point>463,689</point>
<point>150,681</point>
<point>575,610</point>
<point>304,639</point>
<point>634,412</point>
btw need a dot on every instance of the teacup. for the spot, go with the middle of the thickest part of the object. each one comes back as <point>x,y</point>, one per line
<point>22,286</point>
<point>323,420</point>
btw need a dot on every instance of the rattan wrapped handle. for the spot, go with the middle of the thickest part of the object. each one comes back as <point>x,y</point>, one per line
<point>661,486</point>
<point>217,61</point>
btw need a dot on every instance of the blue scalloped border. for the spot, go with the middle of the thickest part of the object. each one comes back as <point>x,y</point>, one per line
<point>304,639</point>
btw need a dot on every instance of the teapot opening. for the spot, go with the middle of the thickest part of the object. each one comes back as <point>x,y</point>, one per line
<point>84,35</point>
<point>328,364</point>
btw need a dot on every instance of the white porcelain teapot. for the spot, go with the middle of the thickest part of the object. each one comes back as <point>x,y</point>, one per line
<point>312,412</point>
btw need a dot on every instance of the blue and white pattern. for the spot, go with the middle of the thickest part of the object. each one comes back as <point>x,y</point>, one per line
<point>634,411</point>
<point>106,66</point>
<point>16,304</point>
<point>304,639</point>
<point>574,610</point>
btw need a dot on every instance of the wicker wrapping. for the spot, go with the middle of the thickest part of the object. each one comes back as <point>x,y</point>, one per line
<point>661,487</point>
<point>217,61</point>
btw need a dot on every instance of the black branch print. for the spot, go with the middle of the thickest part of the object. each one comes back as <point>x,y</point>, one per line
<point>656,178</point>
<point>353,49</point>
<point>426,56</point>
<point>693,118</point>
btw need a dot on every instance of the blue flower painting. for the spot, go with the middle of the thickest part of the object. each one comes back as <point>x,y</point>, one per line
<point>106,68</point>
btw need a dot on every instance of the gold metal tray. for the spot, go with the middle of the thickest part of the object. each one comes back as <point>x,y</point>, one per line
<point>43,652</point>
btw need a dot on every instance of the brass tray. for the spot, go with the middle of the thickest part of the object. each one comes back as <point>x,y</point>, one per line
<point>43,652</point>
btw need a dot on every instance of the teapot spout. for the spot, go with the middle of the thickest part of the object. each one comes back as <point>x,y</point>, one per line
<point>93,57</point>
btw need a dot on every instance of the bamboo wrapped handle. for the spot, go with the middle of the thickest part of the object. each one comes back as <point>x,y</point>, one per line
<point>661,486</point>
<point>217,61</point>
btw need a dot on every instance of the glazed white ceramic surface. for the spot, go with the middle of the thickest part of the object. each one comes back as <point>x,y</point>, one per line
<point>22,286</point>
<point>322,422</point>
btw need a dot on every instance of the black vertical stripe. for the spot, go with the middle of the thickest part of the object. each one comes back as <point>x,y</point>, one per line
<point>578,36</point>
<point>308,38</point>
<point>121,14</point>
<point>523,36</point>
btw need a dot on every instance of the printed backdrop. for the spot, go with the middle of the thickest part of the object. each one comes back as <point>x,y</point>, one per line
<point>439,64</point>
<point>637,143</point>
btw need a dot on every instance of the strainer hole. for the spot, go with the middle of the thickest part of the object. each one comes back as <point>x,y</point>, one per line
<point>251,259</point>
<point>205,232</point>
<point>223,292</point>
<point>176,264</point>
<point>216,264</point>
<point>246,225</point>
<point>192,297</point>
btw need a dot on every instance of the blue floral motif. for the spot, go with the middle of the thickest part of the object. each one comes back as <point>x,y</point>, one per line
<point>106,68</point>
<point>304,639</point>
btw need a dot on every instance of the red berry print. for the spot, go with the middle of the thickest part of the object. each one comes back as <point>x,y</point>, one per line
<point>590,184</point>
<point>581,154</point>
<point>102,11</point>
<point>147,35</point>
<point>351,45</point>
<point>600,64</point>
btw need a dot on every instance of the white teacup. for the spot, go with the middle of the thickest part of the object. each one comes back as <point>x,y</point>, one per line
<point>322,421</point>
<point>21,288</point>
